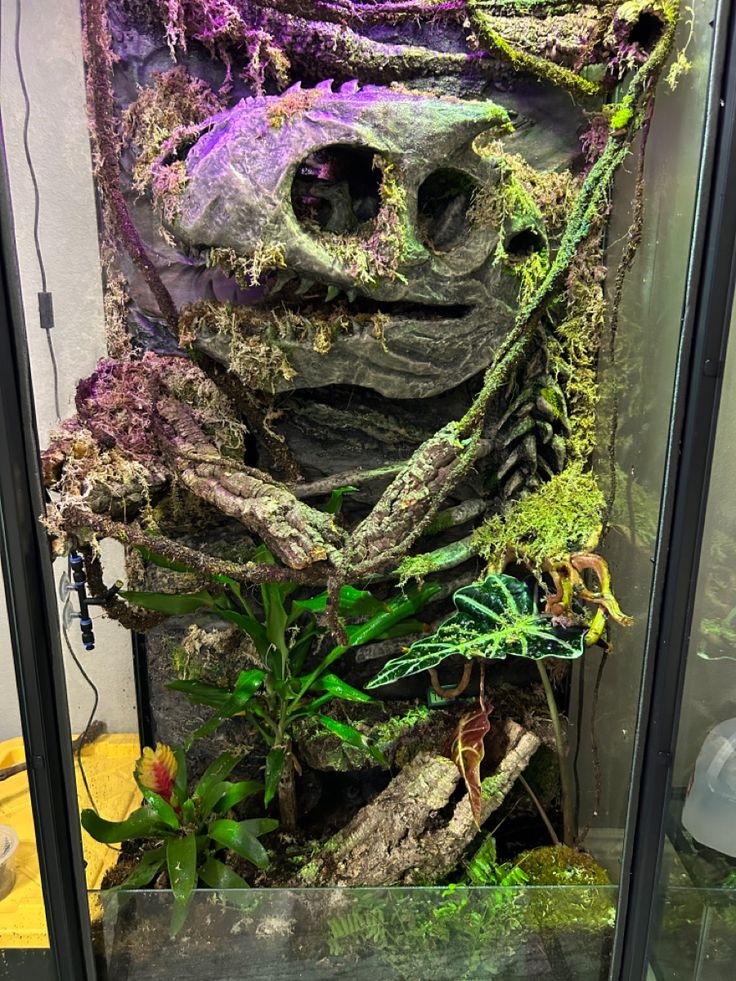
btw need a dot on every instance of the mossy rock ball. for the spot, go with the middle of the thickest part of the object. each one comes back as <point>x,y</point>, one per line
<point>571,906</point>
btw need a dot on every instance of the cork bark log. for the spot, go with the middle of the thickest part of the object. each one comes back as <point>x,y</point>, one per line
<point>400,837</point>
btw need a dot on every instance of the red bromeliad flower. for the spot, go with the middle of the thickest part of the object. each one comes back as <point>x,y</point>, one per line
<point>156,770</point>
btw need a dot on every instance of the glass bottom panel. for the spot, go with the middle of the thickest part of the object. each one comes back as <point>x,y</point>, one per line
<point>556,933</point>
<point>696,936</point>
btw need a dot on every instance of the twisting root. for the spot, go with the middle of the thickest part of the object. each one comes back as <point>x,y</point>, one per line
<point>98,56</point>
<point>459,687</point>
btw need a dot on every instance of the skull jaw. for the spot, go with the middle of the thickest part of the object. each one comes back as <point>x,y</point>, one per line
<point>411,359</point>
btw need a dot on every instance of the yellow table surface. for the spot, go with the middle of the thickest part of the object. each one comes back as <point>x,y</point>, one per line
<point>108,764</point>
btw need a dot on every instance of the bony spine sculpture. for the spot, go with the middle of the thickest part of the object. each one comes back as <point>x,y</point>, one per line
<point>358,313</point>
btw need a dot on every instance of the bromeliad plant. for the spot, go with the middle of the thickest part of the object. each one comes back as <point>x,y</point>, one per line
<point>185,833</point>
<point>287,685</point>
<point>497,618</point>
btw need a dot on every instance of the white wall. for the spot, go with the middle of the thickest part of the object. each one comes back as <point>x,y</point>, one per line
<point>59,144</point>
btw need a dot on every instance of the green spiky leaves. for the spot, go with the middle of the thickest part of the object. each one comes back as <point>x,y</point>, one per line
<point>495,619</point>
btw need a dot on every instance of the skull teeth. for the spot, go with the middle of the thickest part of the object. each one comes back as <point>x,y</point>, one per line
<point>304,286</point>
<point>332,293</point>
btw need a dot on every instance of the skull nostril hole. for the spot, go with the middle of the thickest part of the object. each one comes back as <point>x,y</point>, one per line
<point>524,243</point>
<point>443,202</point>
<point>336,188</point>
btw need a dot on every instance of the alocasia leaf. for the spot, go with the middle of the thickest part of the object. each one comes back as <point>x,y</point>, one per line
<point>468,749</point>
<point>495,619</point>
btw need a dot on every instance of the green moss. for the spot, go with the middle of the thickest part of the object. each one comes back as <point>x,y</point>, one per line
<point>584,907</point>
<point>563,516</point>
<point>308,873</point>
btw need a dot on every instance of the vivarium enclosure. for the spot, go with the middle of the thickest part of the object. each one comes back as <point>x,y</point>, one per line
<point>367,546</point>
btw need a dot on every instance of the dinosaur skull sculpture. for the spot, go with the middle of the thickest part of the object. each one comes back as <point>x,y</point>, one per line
<point>362,197</point>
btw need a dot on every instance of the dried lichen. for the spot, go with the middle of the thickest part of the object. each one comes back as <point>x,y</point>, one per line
<point>562,516</point>
<point>388,241</point>
<point>161,123</point>
<point>248,270</point>
<point>291,105</point>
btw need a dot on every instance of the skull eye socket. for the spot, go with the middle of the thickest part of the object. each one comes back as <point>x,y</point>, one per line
<point>336,188</point>
<point>444,200</point>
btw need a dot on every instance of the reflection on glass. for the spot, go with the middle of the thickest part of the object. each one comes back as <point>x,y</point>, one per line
<point>697,932</point>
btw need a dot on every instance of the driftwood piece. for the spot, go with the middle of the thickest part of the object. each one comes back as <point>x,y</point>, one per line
<point>400,837</point>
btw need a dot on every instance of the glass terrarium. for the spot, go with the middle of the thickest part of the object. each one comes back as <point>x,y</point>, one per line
<point>348,347</point>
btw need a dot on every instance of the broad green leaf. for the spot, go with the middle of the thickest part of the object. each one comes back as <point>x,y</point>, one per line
<point>142,823</point>
<point>259,826</point>
<point>274,768</point>
<point>250,681</point>
<point>238,839</point>
<point>181,779</point>
<point>341,689</point>
<point>162,807</point>
<point>249,625</point>
<point>201,693</point>
<point>146,871</point>
<point>172,604</point>
<point>217,875</point>
<point>495,619</point>
<point>353,603</point>
<point>398,609</point>
<point>236,793</point>
<point>216,772</point>
<point>179,915</point>
<point>181,864</point>
<point>352,737</point>
<point>334,503</point>
<point>161,561</point>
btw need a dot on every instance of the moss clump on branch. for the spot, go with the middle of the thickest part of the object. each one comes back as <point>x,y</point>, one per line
<point>589,906</point>
<point>563,516</point>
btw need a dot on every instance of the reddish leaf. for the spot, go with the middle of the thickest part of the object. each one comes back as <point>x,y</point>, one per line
<point>468,750</point>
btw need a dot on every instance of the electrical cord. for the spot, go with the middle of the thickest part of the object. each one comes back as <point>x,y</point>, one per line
<point>95,691</point>
<point>36,211</point>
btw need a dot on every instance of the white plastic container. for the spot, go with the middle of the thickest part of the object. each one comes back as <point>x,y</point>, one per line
<point>8,845</point>
<point>709,813</point>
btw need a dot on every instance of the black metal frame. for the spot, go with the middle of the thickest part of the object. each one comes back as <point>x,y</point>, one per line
<point>32,615</point>
<point>32,606</point>
<point>706,322</point>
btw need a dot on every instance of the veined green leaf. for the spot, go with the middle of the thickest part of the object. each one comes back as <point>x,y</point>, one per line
<point>274,768</point>
<point>181,864</point>
<point>237,838</point>
<point>142,823</point>
<point>347,734</point>
<point>172,604</point>
<point>495,619</point>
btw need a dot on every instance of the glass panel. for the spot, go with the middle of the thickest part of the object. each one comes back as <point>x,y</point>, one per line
<point>281,284</point>
<point>23,935</point>
<point>698,940</point>
<point>392,934</point>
